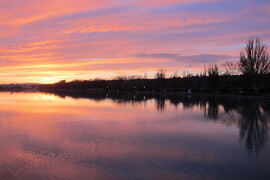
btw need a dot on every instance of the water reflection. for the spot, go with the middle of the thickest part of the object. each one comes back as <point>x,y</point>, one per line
<point>107,136</point>
<point>160,101</point>
<point>251,115</point>
<point>253,126</point>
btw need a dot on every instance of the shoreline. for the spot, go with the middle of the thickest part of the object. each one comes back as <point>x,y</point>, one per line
<point>178,93</point>
<point>154,93</point>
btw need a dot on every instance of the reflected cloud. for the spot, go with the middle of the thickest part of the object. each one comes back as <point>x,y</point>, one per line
<point>77,135</point>
<point>251,115</point>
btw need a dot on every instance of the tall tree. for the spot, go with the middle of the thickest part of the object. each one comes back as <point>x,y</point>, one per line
<point>213,70</point>
<point>160,77</point>
<point>213,75</point>
<point>254,61</point>
<point>160,74</point>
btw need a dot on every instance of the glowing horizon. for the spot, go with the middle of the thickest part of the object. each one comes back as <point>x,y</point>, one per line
<point>47,41</point>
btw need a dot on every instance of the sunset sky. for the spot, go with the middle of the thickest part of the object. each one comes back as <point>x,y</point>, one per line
<point>44,41</point>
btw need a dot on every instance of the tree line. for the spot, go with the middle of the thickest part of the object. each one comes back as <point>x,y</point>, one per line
<point>250,75</point>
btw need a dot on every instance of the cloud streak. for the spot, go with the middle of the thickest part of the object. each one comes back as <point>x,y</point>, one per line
<point>207,58</point>
<point>122,36</point>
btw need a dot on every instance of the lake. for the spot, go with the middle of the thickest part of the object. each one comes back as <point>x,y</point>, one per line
<point>81,136</point>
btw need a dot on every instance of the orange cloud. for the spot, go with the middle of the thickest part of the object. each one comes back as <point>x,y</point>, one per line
<point>87,39</point>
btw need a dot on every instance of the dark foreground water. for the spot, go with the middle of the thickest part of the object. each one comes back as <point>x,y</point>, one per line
<point>77,137</point>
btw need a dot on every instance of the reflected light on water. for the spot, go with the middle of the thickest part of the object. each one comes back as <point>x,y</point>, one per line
<point>70,136</point>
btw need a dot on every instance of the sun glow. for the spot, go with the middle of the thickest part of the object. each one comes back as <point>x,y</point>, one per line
<point>47,41</point>
<point>50,80</point>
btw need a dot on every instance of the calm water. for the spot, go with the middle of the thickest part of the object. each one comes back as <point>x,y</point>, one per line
<point>76,137</point>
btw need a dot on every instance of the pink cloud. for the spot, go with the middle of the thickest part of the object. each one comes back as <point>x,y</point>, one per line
<point>54,36</point>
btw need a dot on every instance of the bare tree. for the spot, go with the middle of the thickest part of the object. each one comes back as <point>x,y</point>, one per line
<point>145,75</point>
<point>213,70</point>
<point>160,77</point>
<point>204,71</point>
<point>175,75</point>
<point>161,74</point>
<point>186,74</point>
<point>213,75</point>
<point>254,61</point>
<point>229,68</point>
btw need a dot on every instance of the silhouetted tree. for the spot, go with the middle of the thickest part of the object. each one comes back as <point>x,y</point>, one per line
<point>62,82</point>
<point>213,73</point>
<point>161,74</point>
<point>186,74</point>
<point>254,61</point>
<point>160,78</point>
<point>229,68</point>
<point>213,70</point>
<point>175,75</point>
